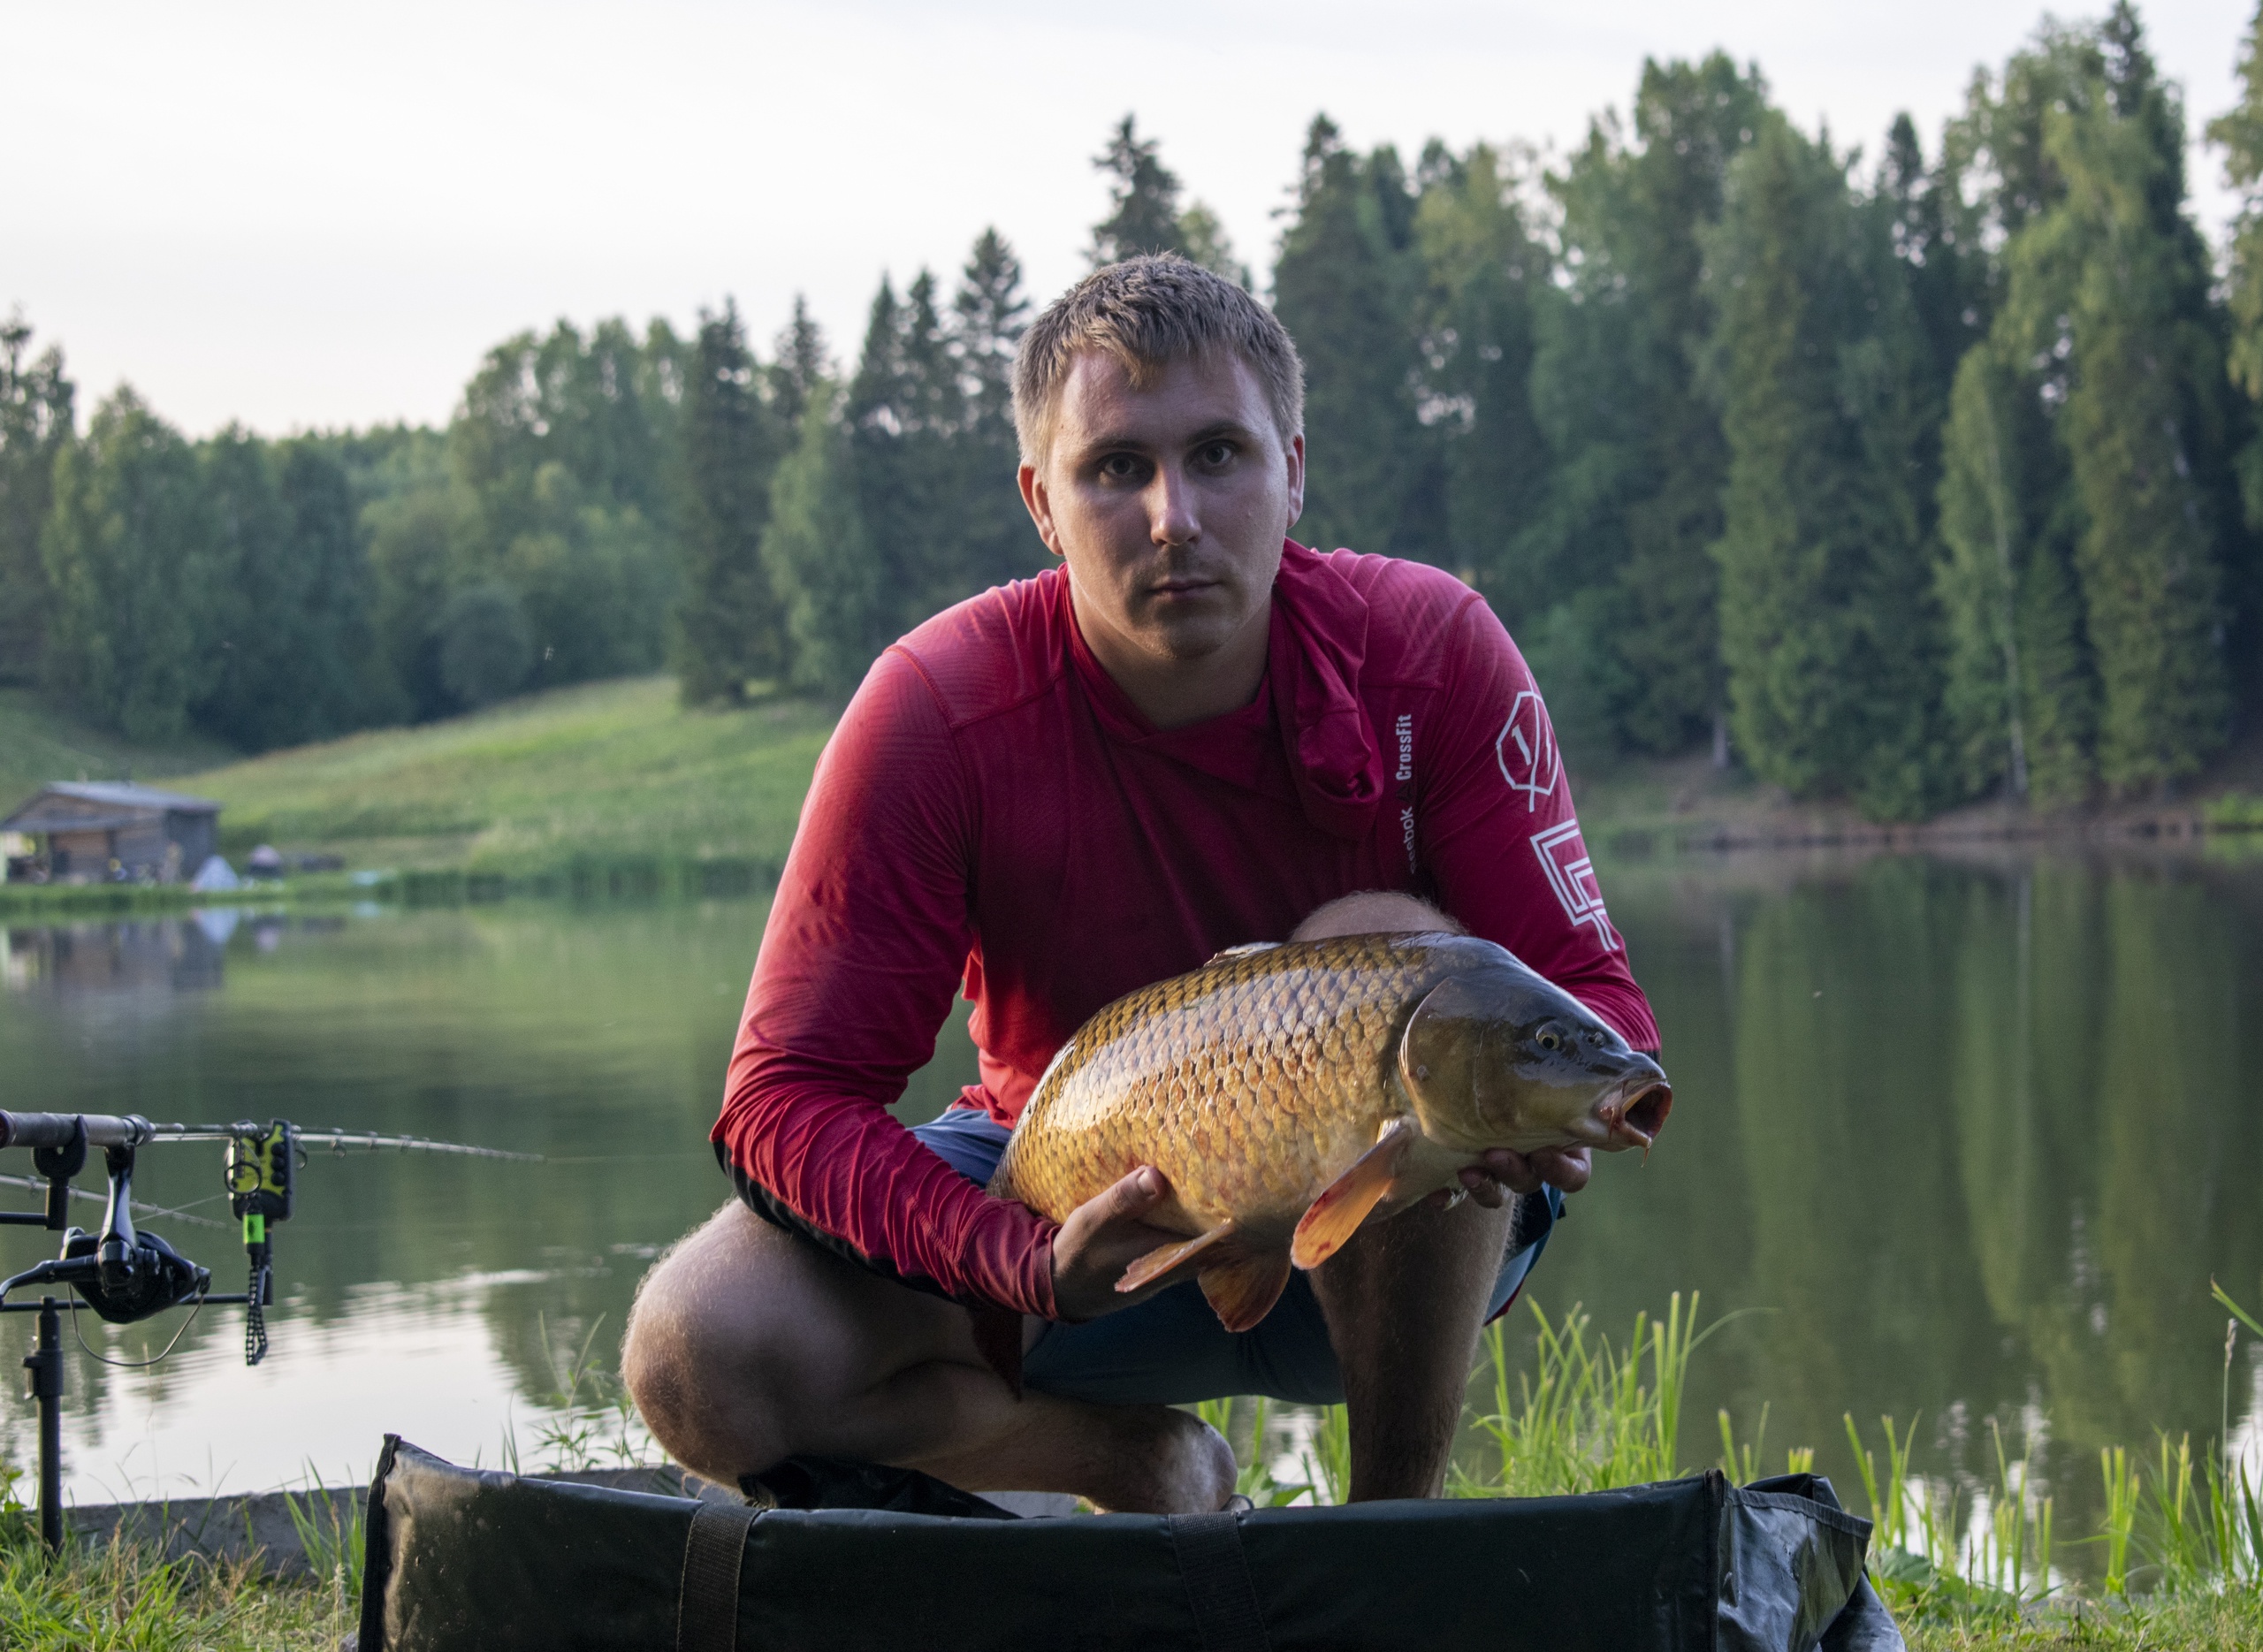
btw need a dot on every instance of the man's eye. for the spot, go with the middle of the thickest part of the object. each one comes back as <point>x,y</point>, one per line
<point>1119,467</point>
<point>1215,454</point>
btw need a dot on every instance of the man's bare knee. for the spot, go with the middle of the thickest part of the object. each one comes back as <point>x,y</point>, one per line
<point>1374,912</point>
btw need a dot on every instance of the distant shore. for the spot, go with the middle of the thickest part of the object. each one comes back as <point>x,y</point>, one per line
<point>615,791</point>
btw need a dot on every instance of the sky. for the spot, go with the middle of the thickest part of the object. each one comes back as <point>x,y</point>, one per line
<point>302,216</point>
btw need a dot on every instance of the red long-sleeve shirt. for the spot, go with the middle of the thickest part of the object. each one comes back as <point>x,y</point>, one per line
<point>992,813</point>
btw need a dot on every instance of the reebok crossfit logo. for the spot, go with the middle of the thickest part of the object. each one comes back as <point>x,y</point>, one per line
<point>1405,730</point>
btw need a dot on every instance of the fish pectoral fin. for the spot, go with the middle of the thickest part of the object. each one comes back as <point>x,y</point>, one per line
<point>1243,1288</point>
<point>1166,1259</point>
<point>1343,1204</point>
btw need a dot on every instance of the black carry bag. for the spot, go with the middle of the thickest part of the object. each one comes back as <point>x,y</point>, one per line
<point>476,1561</point>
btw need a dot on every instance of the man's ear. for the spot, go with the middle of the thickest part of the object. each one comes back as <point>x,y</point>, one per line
<point>1296,477</point>
<point>1039,505</point>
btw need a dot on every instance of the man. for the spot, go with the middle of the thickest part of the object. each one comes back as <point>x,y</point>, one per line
<point>1189,735</point>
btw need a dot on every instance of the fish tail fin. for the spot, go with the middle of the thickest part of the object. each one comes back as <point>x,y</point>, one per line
<point>1343,1204</point>
<point>1243,1287</point>
<point>1167,1258</point>
<point>998,1339</point>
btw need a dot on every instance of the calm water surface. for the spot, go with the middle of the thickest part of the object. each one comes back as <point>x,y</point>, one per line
<point>1955,1141</point>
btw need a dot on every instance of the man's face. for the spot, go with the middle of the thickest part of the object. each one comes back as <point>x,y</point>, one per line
<point>1168,505</point>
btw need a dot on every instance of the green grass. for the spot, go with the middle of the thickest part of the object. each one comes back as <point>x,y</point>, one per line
<point>40,744</point>
<point>610,773</point>
<point>123,1598</point>
<point>2182,1551</point>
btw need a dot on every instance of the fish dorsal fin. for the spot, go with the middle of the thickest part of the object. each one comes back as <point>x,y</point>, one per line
<point>1243,1288</point>
<point>1166,1259</point>
<point>1343,1204</point>
<point>1242,951</point>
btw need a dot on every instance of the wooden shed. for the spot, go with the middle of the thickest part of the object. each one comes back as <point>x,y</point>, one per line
<point>99,829</point>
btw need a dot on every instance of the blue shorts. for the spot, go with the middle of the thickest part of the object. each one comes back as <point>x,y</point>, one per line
<point>1170,1349</point>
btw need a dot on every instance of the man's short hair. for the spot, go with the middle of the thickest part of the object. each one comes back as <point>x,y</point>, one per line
<point>1148,312</point>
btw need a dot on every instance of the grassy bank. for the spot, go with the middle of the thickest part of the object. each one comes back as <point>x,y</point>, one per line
<point>39,744</point>
<point>615,784</point>
<point>604,773</point>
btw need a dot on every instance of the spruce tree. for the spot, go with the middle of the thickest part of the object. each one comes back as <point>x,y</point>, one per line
<point>253,610</point>
<point>1481,266</point>
<point>1635,495</point>
<point>995,539</point>
<point>2239,134</point>
<point>799,368</point>
<point>36,421</point>
<point>1349,286</point>
<point>1817,358</point>
<point>2020,696</point>
<point>904,408</point>
<point>1143,203</point>
<point>728,625</point>
<point>2143,421</point>
<point>339,677</point>
<point>130,554</point>
<point>822,560</point>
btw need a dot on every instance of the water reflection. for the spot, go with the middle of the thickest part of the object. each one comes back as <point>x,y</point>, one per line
<point>1962,1140</point>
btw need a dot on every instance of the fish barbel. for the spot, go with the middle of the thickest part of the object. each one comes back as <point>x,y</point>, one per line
<point>1290,1091</point>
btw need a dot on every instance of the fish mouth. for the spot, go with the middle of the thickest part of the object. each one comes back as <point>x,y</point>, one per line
<point>1637,1113</point>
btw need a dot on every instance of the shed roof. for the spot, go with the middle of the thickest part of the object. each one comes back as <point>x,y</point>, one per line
<point>124,803</point>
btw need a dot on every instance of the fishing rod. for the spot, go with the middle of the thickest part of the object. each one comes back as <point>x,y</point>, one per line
<point>126,1273</point>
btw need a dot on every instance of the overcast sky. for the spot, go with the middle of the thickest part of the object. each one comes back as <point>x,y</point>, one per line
<point>306,216</point>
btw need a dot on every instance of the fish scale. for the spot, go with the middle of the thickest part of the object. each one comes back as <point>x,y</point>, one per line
<point>1287,1093</point>
<point>1241,1082</point>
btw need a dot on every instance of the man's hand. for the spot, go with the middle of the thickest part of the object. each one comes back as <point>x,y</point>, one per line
<point>1506,1172</point>
<point>1102,1237</point>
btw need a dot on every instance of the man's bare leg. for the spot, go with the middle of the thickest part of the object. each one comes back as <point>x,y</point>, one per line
<point>749,1345</point>
<point>1404,1298</point>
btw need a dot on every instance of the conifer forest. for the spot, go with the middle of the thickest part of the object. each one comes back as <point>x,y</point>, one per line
<point>1909,473</point>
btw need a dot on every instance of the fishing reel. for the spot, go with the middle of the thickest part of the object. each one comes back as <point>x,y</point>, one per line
<point>122,1274</point>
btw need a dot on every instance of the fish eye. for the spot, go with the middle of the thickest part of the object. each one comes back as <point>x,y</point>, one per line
<point>1549,1039</point>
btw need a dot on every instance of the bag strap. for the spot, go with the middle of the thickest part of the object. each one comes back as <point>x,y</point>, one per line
<point>1215,1572</point>
<point>708,1603</point>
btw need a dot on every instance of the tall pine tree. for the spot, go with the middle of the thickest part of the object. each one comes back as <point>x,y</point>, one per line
<point>995,541</point>
<point>1482,265</point>
<point>36,421</point>
<point>2110,540</point>
<point>1621,555</point>
<point>1349,286</point>
<point>1818,360</point>
<point>131,557</point>
<point>729,628</point>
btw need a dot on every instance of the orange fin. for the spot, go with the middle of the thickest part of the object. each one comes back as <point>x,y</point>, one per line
<point>1243,1288</point>
<point>998,1339</point>
<point>1166,1257</point>
<point>1343,1204</point>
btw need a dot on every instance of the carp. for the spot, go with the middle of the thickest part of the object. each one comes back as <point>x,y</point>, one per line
<point>1290,1091</point>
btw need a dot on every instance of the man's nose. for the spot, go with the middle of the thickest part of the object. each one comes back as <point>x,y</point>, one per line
<point>1172,519</point>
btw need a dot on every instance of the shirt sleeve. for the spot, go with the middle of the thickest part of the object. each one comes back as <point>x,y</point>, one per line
<point>866,945</point>
<point>1500,838</point>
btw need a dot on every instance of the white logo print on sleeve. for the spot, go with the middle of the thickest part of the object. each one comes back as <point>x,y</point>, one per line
<point>1526,750</point>
<point>1564,857</point>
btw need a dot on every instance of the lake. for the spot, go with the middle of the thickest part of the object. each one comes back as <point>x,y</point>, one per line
<point>1957,1141</point>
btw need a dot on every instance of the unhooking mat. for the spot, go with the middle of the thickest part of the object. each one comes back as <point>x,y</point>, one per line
<point>462,1560</point>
